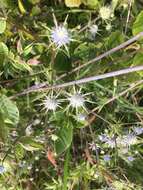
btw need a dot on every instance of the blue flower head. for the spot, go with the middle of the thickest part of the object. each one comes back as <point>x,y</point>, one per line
<point>130,158</point>
<point>138,130</point>
<point>2,169</point>
<point>60,36</point>
<point>106,158</point>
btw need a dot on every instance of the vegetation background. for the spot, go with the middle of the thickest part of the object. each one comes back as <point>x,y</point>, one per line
<point>78,137</point>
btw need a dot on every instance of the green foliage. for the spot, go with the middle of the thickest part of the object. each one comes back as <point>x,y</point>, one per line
<point>138,24</point>
<point>2,25</point>
<point>3,53</point>
<point>64,140</point>
<point>9,111</point>
<point>76,137</point>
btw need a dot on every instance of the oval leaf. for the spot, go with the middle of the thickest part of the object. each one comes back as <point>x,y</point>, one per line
<point>2,25</point>
<point>9,111</point>
<point>65,139</point>
<point>3,52</point>
<point>138,24</point>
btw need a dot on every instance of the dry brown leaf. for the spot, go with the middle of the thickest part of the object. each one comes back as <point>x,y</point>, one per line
<point>51,158</point>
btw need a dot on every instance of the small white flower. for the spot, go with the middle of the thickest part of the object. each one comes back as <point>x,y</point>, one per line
<point>93,30</point>
<point>54,137</point>
<point>14,133</point>
<point>36,122</point>
<point>51,104</point>
<point>60,36</point>
<point>29,130</point>
<point>76,100</point>
<point>105,12</point>
<point>29,167</point>
<point>37,170</point>
<point>36,157</point>
<point>108,27</point>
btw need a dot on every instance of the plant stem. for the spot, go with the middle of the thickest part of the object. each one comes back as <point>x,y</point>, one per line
<point>82,81</point>
<point>66,169</point>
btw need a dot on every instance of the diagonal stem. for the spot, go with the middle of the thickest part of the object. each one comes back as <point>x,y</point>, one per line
<point>84,80</point>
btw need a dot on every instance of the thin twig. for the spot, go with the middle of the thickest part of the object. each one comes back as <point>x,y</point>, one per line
<point>82,81</point>
<point>128,16</point>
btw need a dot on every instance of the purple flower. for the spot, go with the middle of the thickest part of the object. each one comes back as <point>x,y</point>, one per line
<point>129,139</point>
<point>103,138</point>
<point>106,158</point>
<point>138,130</point>
<point>130,158</point>
<point>111,142</point>
<point>60,36</point>
<point>2,169</point>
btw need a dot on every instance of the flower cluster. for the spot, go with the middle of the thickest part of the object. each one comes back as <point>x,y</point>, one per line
<point>76,100</point>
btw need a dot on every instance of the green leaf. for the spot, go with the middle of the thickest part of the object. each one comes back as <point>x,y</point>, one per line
<point>114,39</point>
<point>29,144</point>
<point>8,111</point>
<point>62,62</point>
<point>64,139</point>
<point>138,24</point>
<point>85,51</point>
<point>3,130</point>
<point>2,25</point>
<point>34,1</point>
<point>91,3</point>
<point>35,10</point>
<point>138,60</point>
<point>3,52</point>
<point>21,7</point>
<point>19,151</point>
<point>22,66</point>
<point>114,4</point>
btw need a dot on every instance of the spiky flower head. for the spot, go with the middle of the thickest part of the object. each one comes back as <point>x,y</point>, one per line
<point>60,36</point>
<point>105,12</point>
<point>76,100</point>
<point>51,103</point>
